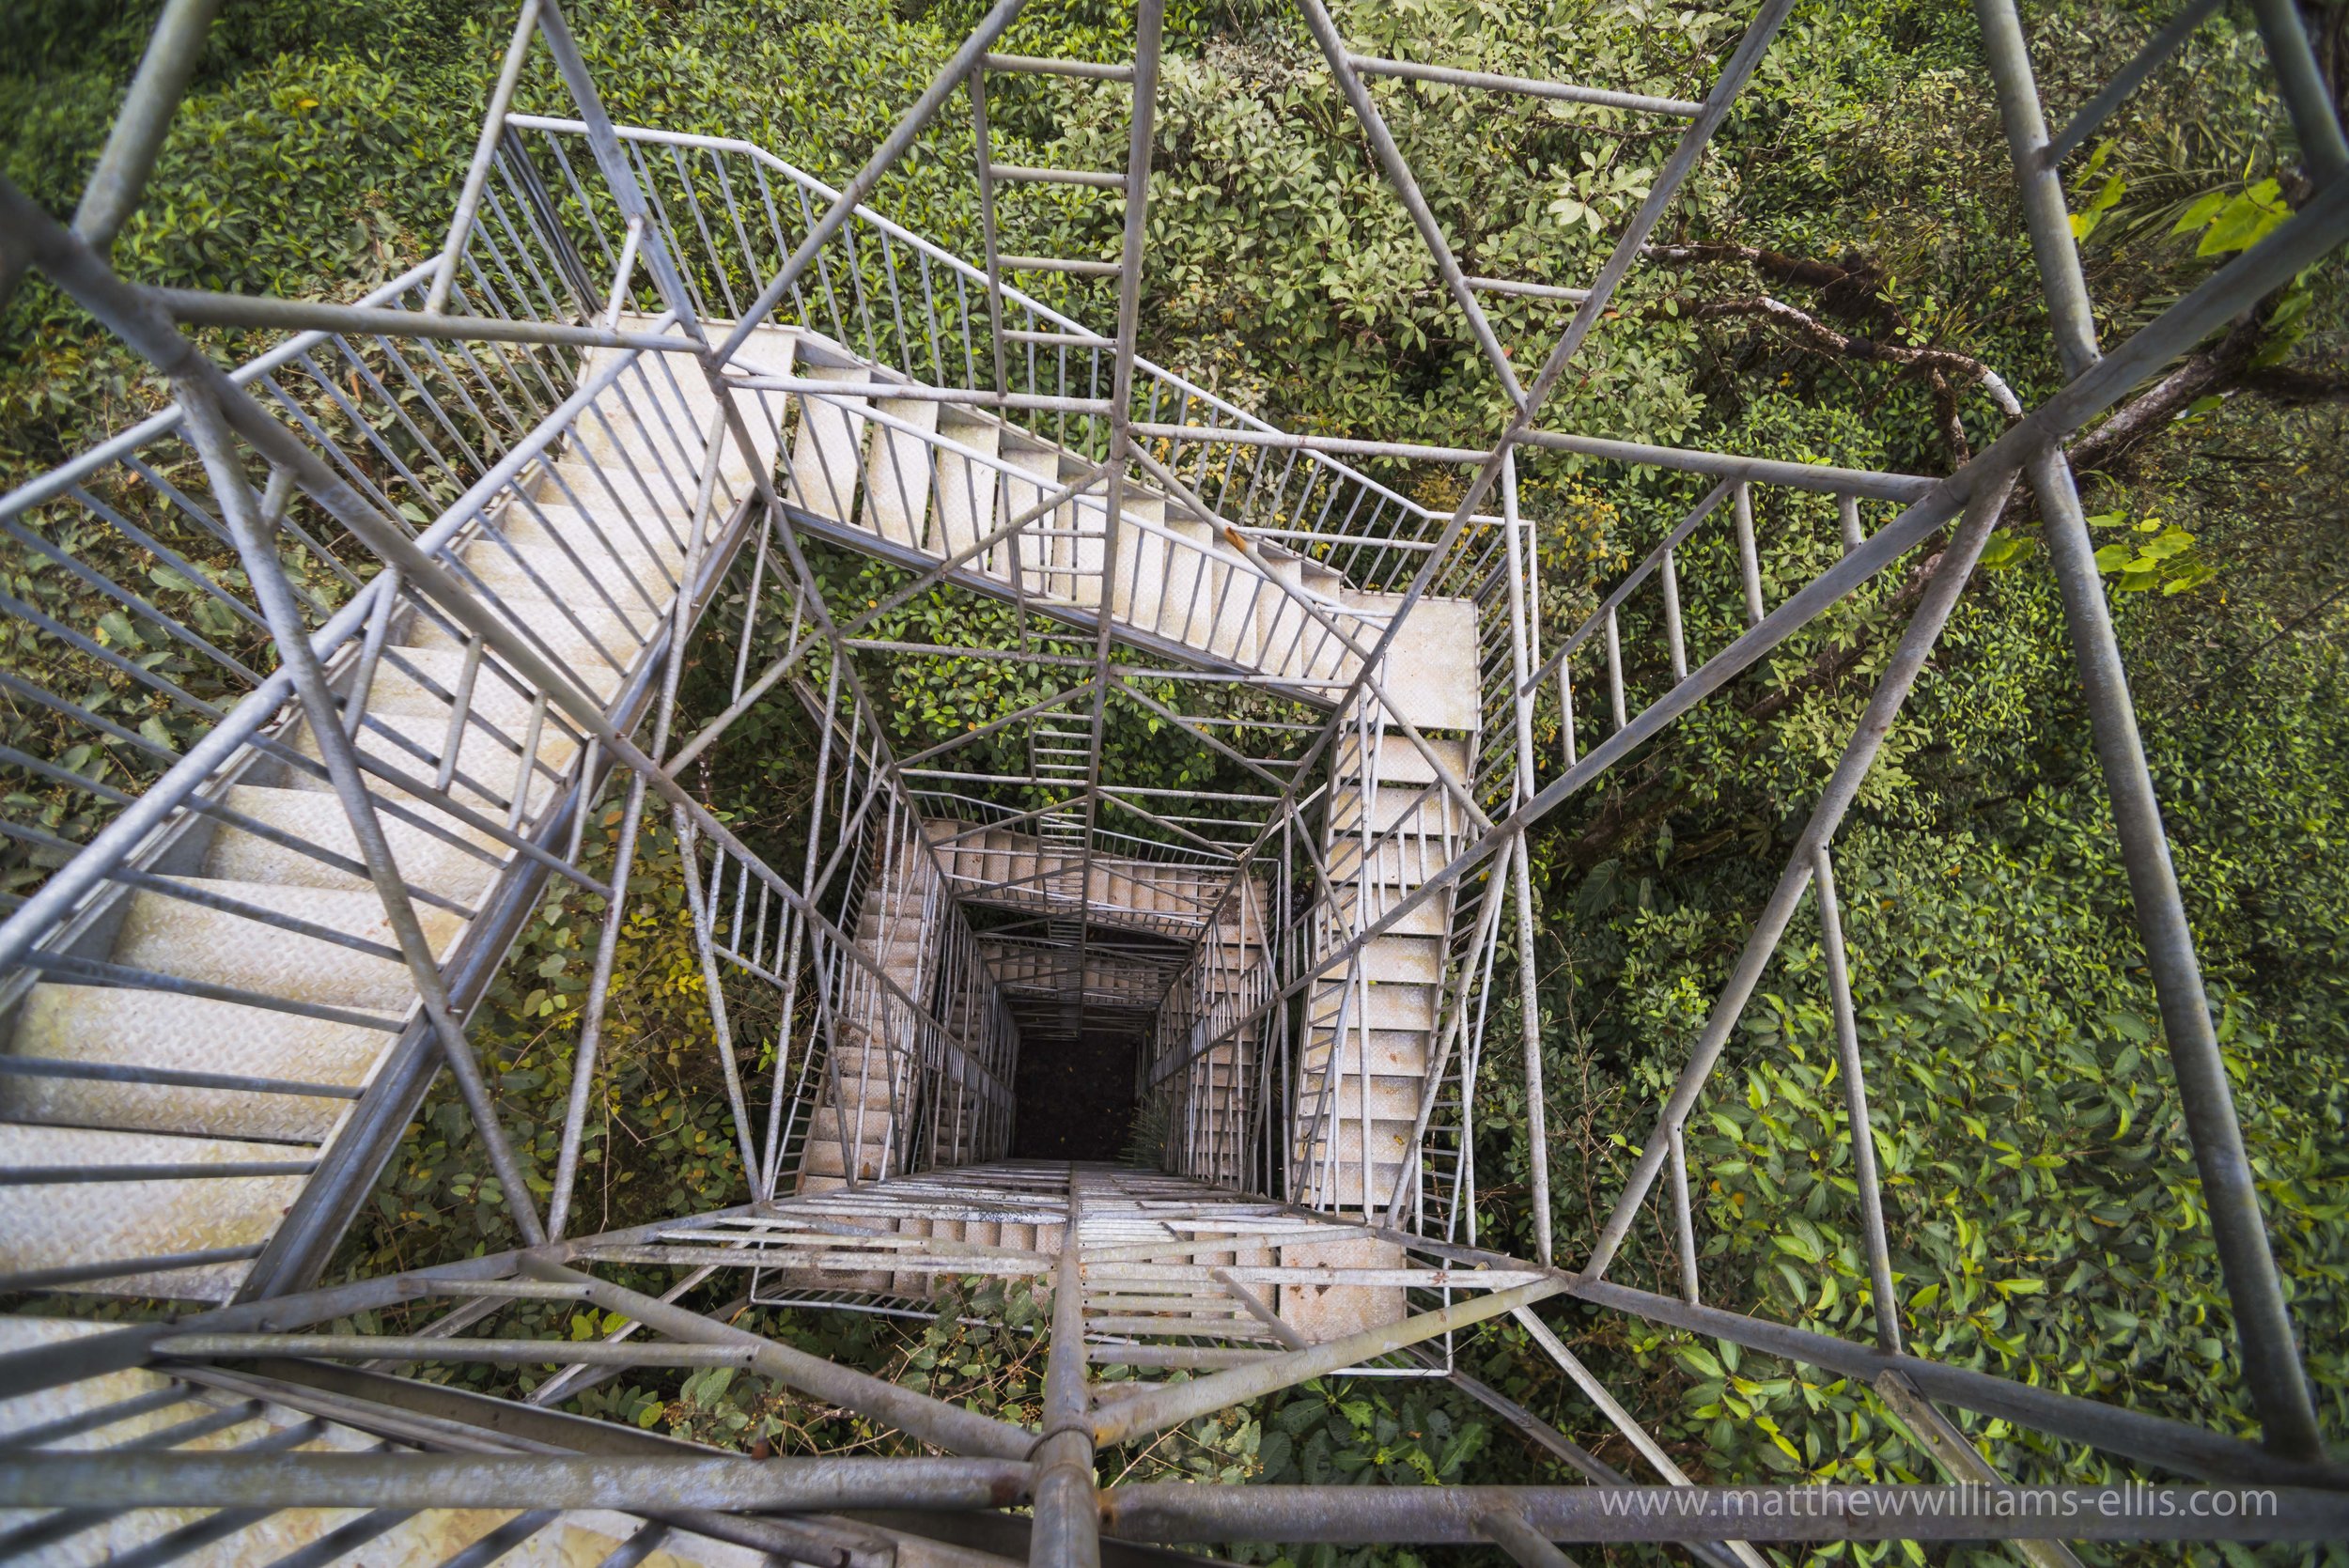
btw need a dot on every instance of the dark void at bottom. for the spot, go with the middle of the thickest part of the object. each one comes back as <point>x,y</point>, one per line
<point>1076,1094</point>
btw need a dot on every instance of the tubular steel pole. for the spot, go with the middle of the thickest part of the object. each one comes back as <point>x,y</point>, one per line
<point>1169,1405</point>
<point>484,152</point>
<point>1530,1023</point>
<point>1507,1529</point>
<point>1357,91</point>
<point>2300,240</point>
<point>623,864</point>
<point>503,1481</point>
<point>1684,1216</point>
<point>1562,91</point>
<point>613,160</point>
<point>1384,1515</point>
<point>1141,139</point>
<point>990,252</point>
<point>1638,1436</point>
<point>137,138</point>
<point>2153,1440</point>
<point>771,1166</point>
<point>2271,1360</point>
<point>2180,27</point>
<point>1847,521</point>
<point>2069,316</point>
<point>1742,63</point>
<point>2306,96</point>
<point>703,912</point>
<point>1748,563</point>
<point>1958,1458</point>
<point>933,1420</point>
<point>199,308</point>
<point>786,661</point>
<point>1864,1147</point>
<point>884,156</point>
<point>591,1024</point>
<point>1068,1526</point>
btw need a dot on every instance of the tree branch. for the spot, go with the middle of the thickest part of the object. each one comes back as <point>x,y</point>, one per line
<point>1851,291</point>
<point>1943,361</point>
<point>2296,388</point>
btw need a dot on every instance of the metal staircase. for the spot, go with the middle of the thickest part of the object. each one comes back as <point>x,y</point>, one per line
<point>329,675</point>
<point>1370,1058</point>
<point>256,987</point>
<point>586,558</point>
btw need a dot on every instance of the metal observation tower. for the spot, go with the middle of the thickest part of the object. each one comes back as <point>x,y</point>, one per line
<point>651,386</point>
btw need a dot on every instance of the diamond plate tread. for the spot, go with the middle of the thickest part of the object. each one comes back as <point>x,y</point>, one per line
<point>158,1029</point>
<point>317,817</point>
<point>599,528</point>
<point>592,587</point>
<point>170,936</point>
<point>487,763</point>
<point>62,1225</point>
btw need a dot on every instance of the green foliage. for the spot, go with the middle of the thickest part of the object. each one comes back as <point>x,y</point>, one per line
<point>1343,1434</point>
<point>2162,557</point>
<point>659,1140</point>
<point>2046,1224</point>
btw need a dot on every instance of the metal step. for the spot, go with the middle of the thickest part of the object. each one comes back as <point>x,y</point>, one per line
<point>171,936</point>
<point>111,1077</point>
<point>316,817</point>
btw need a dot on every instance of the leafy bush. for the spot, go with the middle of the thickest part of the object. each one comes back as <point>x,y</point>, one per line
<point>2045,1221</point>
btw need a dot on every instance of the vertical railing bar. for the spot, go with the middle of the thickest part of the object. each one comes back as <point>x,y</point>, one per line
<point>701,227</point>
<point>1748,557</point>
<point>1684,1219</point>
<point>1614,669</point>
<point>1863,1150</point>
<point>1669,576</point>
<point>460,709</point>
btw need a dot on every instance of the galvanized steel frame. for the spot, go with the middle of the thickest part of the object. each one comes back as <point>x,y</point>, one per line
<point>872,814</point>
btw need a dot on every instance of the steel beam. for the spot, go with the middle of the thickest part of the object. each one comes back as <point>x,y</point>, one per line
<point>274,1481</point>
<point>1371,1515</point>
<point>1067,1520</point>
<point>2263,1320</point>
<point>1563,92</point>
<point>948,1426</point>
<point>1171,1405</point>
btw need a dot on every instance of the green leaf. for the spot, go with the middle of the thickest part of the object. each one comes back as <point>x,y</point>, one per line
<point>2205,207</point>
<point>2085,221</point>
<point>2006,551</point>
<point>1699,1360</point>
<point>2245,221</point>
